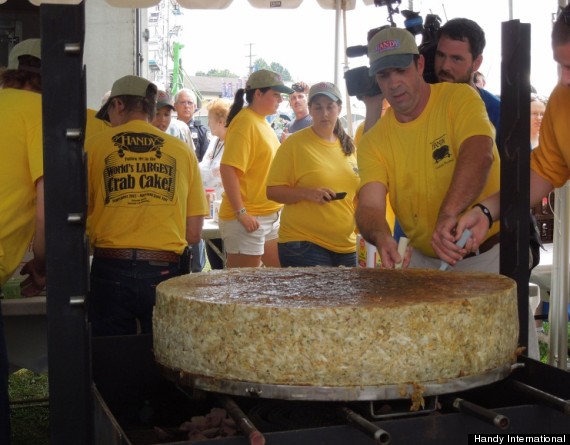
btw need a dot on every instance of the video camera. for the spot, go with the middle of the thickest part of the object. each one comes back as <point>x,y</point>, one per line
<point>360,83</point>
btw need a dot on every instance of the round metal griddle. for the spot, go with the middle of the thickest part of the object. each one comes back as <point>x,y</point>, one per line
<point>336,393</point>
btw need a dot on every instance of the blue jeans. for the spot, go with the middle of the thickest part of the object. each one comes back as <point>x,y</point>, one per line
<point>122,295</point>
<point>4,399</point>
<point>305,253</point>
<point>198,258</point>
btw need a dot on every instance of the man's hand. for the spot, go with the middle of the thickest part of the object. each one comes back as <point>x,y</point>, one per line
<point>476,221</point>
<point>388,250</point>
<point>444,238</point>
<point>35,283</point>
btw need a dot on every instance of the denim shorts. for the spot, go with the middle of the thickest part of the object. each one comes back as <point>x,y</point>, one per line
<point>238,240</point>
<point>305,253</point>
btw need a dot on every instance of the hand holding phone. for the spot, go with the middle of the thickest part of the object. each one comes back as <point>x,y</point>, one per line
<point>338,195</point>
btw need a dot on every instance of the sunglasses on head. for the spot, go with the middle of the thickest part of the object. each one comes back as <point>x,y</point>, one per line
<point>297,87</point>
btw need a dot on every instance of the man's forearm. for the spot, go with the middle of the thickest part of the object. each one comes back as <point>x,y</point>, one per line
<point>469,178</point>
<point>194,229</point>
<point>371,224</point>
<point>373,111</point>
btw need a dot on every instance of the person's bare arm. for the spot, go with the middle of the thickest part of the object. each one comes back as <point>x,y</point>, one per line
<point>373,110</point>
<point>539,188</point>
<point>36,267</point>
<point>469,178</point>
<point>372,224</point>
<point>291,195</point>
<point>476,221</point>
<point>230,180</point>
<point>194,229</point>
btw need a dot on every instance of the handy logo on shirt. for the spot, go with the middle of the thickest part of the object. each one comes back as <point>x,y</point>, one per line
<point>139,173</point>
<point>138,142</point>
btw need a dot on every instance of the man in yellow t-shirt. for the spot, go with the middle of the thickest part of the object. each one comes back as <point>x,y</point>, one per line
<point>94,125</point>
<point>550,161</point>
<point>146,204</point>
<point>21,187</point>
<point>433,151</point>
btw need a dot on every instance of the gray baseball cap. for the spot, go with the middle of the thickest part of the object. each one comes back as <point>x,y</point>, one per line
<point>125,86</point>
<point>29,47</point>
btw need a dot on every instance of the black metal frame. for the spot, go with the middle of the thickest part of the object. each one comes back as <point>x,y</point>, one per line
<point>64,110</point>
<point>125,377</point>
<point>515,163</point>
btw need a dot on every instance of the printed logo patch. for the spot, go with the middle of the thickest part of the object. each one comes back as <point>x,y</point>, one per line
<point>440,151</point>
<point>138,142</point>
<point>387,45</point>
<point>139,173</point>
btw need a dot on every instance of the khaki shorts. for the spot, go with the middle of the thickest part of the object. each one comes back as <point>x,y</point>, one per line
<point>485,262</point>
<point>238,240</point>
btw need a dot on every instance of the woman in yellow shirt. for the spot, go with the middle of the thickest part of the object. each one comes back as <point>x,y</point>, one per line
<point>315,175</point>
<point>249,222</point>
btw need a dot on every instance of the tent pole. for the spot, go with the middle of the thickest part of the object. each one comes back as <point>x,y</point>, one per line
<point>337,41</point>
<point>350,130</point>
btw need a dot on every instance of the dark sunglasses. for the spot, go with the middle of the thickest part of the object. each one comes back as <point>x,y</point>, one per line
<point>297,87</point>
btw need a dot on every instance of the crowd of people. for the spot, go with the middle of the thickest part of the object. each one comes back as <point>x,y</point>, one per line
<point>429,153</point>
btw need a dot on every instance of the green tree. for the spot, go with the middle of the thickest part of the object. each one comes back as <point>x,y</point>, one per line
<point>217,73</point>
<point>278,68</point>
<point>260,64</point>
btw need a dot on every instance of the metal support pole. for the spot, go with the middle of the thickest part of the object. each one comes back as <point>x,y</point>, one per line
<point>515,163</point>
<point>64,114</point>
<point>560,281</point>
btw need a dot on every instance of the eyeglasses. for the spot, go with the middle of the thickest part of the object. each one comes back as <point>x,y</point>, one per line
<point>185,103</point>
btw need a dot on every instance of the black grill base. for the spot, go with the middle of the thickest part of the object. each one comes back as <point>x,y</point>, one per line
<point>131,398</point>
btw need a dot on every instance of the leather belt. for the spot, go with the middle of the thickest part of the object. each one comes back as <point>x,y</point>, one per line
<point>487,245</point>
<point>137,255</point>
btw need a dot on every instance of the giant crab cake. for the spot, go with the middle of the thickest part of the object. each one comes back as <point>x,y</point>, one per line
<point>335,327</point>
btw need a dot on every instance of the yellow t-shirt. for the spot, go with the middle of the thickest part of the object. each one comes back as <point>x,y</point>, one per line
<point>143,184</point>
<point>21,165</point>
<point>305,160</point>
<point>390,217</point>
<point>416,160</point>
<point>250,146</point>
<point>94,125</point>
<point>551,159</point>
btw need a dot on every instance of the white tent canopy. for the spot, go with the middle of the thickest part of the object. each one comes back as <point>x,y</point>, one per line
<point>339,5</point>
<point>213,4</point>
